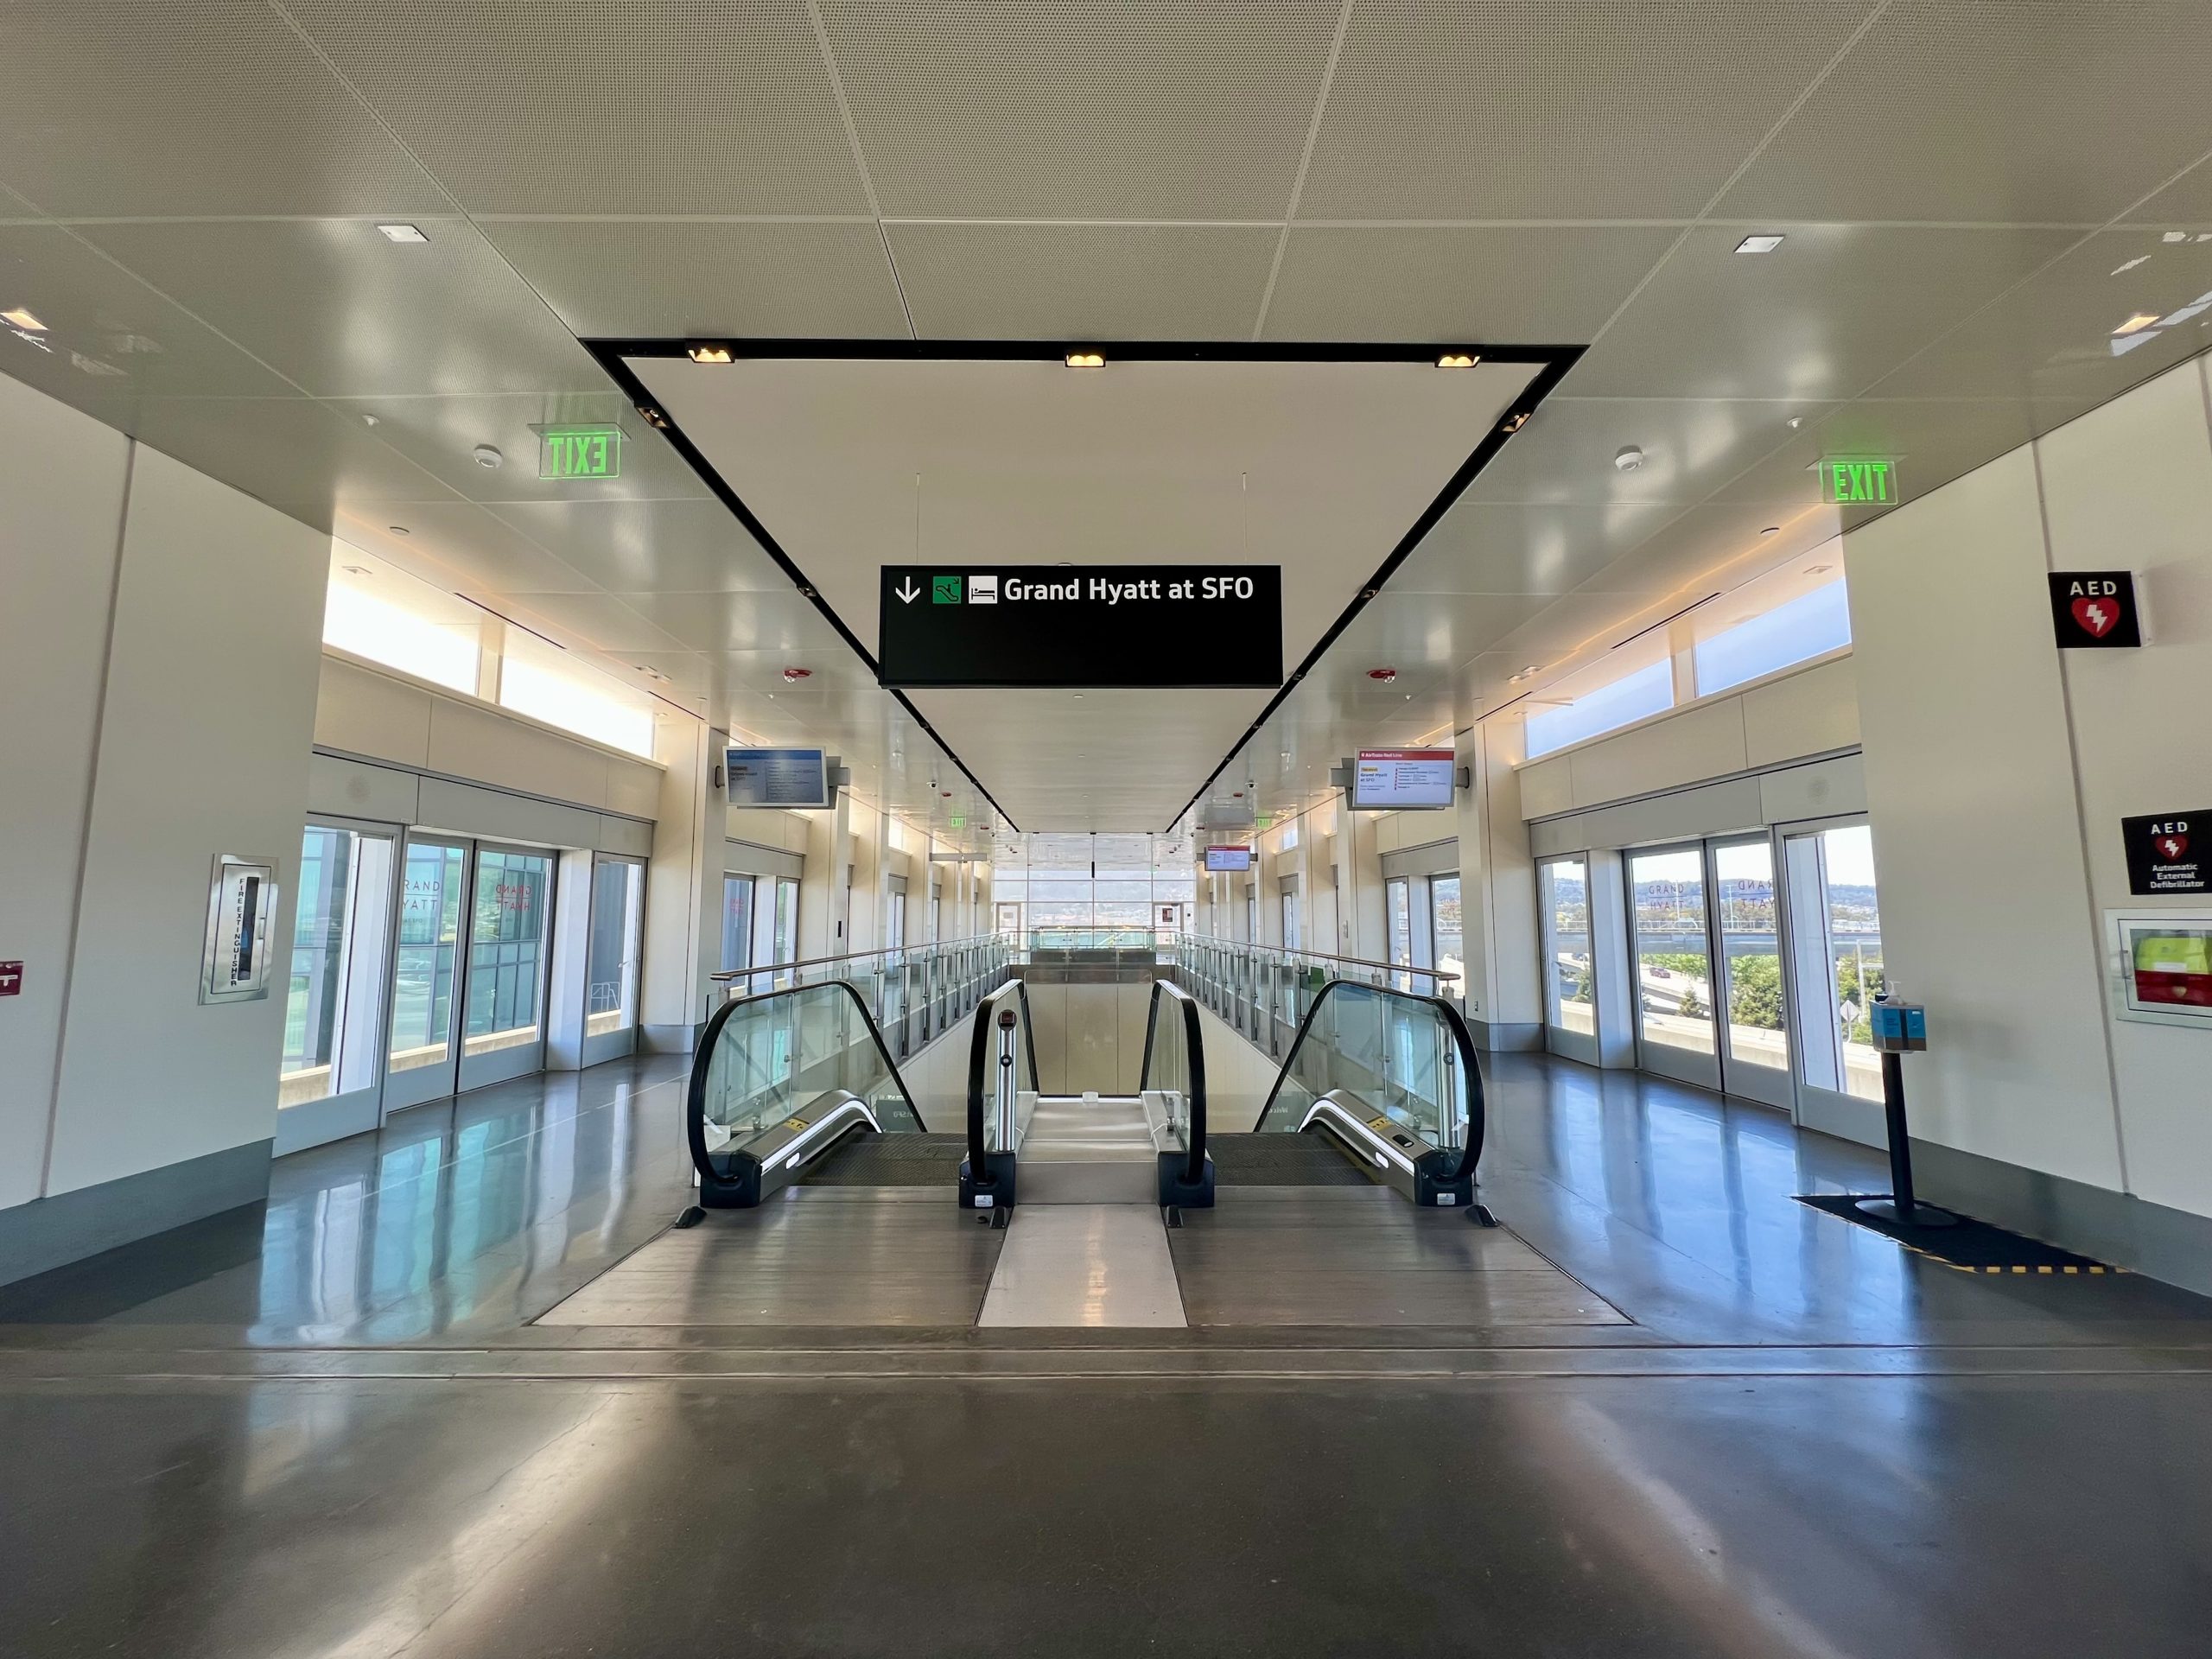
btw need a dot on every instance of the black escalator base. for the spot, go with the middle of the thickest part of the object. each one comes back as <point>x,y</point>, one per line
<point>1282,1160</point>
<point>897,1159</point>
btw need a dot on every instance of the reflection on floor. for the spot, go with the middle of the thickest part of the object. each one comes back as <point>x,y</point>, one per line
<point>345,1427</point>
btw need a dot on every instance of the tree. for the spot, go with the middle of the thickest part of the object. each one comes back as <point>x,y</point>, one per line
<point>1692,1007</point>
<point>1755,992</point>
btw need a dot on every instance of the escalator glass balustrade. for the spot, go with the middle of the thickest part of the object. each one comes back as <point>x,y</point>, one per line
<point>781,1078</point>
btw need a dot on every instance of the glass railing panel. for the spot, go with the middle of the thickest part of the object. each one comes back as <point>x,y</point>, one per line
<point>1397,1054</point>
<point>776,1054</point>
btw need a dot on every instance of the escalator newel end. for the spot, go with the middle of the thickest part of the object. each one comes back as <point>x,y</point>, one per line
<point>1480,1215</point>
<point>690,1217</point>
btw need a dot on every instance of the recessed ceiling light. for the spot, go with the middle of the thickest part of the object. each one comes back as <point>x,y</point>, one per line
<point>1796,421</point>
<point>400,530</point>
<point>710,354</point>
<point>1458,360</point>
<point>2175,236</point>
<point>2136,324</point>
<point>1771,530</point>
<point>1085,360</point>
<point>1628,459</point>
<point>357,569</point>
<point>21,318</point>
<point>2139,259</point>
<point>1818,569</point>
<point>1758,245</point>
<point>402,233</point>
<point>368,419</point>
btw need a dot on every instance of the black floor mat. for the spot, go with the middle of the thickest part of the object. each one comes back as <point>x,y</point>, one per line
<point>892,1160</point>
<point>1281,1160</point>
<point>1972,1246</point>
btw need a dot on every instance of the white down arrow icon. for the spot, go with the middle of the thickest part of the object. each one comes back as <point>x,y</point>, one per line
<point>909,593</point>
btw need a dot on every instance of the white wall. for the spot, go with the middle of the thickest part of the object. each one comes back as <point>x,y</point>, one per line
<point>1998,769</point>
<point>204,728</point>
<point>61,492</point>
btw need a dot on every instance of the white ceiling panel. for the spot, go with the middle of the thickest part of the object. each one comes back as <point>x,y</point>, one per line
<point>1123,109</point>
<point>1512,547</point>
<point>301,456</point>
<point>1824,316</point>
<point>755,278</point>
<point>683,547</point>
<point>780,622</point>
<point>1570,451</point>
<point>461,547</point>
<point>1084,282</point>
<point>110,338</point>
<point>655,106</point>
<point>342,312</point>
<point>122,107</point>
<point>2013,111</point>
<point>1574,109</point>
<point>1540,284</point>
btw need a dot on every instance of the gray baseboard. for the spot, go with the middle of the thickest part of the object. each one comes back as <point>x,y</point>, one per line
<point>2113,1227</point>
<point>1506,1037</point>
<point>669,1039</point>
<point>48,1233</point>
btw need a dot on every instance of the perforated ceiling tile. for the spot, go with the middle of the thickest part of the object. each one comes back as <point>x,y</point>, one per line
<point>1826,315</point>
<point>292,452</point>
<point>1486,547</point>
<point>1573,109</point>
<point>1571,451</point>
<point>655,106</point>
<point>2019,111</point>
<point>783,621</point>
<point>1082,108</point>
<point>341,311</point>
<point>2185,203</point>
<point>123,106</point>
<point>1071,281</point>
<point>629,279</point>
<point>463,547</point>
<point>598,621</point>
<point>1552,285</point>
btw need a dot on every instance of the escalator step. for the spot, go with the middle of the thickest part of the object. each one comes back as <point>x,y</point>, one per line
<point>1281,1160</point>
<point>892,1160</point>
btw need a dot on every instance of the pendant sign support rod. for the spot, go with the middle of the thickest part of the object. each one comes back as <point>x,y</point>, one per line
<point>1151,625</point>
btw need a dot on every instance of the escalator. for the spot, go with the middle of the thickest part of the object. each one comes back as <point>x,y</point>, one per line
<point>1379,1085</point>
<point>1149,1147</point>
<point>799,1085</point>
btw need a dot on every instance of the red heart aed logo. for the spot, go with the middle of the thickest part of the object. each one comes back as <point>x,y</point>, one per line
<point>2171,847</point>
<point>2098,617</point>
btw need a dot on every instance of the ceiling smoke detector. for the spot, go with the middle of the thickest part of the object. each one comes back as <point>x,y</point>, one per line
<point>488,456</point>
<point>1628,460</point>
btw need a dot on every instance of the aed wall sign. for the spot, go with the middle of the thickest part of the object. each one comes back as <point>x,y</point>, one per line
<point>2093,610</point>
<point>1093,625</point>
<point>2166,854</point>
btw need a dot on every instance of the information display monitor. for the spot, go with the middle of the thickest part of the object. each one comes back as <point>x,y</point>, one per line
<point>1228,858</point>
<point>784,778</point>
<point>1398,780</point>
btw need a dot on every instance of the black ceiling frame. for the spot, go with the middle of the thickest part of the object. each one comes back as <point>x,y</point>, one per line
<point>1551,363</point>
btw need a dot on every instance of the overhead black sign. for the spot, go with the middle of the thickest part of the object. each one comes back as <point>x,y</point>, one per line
<point>1081,624</point>
<point>2167,853</point>
<point>2094,610</point>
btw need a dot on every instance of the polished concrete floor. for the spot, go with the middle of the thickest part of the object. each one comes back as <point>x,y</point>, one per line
<point>345,1427</point>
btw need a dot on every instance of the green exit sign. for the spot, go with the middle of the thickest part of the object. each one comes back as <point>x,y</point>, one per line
<point>580,452</point>
<point>1859,480</point>
<point>959,822</point>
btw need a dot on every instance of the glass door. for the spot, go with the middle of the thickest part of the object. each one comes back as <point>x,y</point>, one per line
<point>1754,1057</point>
<point>1673,953</point>
<point>1450,956</point>
<point>611,958</point>
<point>1570,969</point>
<point>1836,951</point>
<point>508,941</point>
<point>421,1059</point>
<point>332,1061</point>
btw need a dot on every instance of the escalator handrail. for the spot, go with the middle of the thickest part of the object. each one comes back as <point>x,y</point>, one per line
<point>1462,1041</point>
<point>1194,1166</point>
<point>979,1063</point>
<point>694,1101</point>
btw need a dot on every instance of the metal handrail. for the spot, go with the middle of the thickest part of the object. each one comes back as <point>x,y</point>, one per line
<point>695,1104</point>
<point>920,945</point>
<point>1194,1165</point>
<point>1284,950</point>
<point>979,1055</point>
<point>1462,1041</point>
